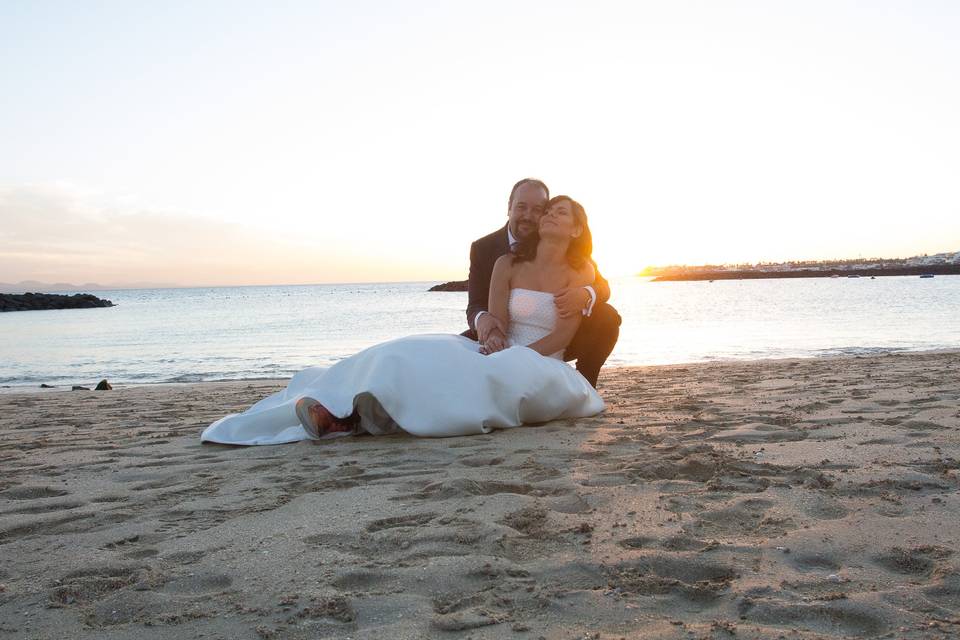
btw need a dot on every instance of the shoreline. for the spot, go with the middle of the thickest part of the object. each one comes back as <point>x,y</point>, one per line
<point>35,389</point>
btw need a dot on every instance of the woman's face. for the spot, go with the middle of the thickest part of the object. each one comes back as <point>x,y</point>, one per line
<point>558,220</point>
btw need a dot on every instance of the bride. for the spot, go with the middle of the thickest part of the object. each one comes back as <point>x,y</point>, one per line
<point>445,385</point>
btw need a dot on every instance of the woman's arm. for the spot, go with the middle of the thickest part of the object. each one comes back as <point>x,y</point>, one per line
<point>566,328</point>
<point>499,300</point>
<point>559,338</point>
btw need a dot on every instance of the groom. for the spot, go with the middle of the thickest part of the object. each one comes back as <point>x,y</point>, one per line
<point>600,327</point>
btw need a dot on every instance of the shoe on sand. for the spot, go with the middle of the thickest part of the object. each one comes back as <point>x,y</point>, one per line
<point>319,423</point>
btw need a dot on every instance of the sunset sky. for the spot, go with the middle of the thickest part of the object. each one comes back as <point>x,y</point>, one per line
<point>242,143</point>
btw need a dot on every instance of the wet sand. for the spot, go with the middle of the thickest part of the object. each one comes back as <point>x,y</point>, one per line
<point>789,498</point>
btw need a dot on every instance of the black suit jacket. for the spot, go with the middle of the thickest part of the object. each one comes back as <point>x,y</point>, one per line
<point>483,254</point>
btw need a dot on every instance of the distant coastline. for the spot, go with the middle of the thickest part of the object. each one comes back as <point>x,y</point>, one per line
<point>808,273</point>
<point>939,264</point>
<point>36,286</point>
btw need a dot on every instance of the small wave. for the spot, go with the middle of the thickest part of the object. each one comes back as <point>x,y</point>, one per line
<point>221,376</point>
<point>23,381</point>
<point>186,377</point>
<point>856,351</point>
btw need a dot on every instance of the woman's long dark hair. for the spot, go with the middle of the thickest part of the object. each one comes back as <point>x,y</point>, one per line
<point>580,250</point>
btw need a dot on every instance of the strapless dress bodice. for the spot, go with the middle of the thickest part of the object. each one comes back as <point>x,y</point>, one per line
<point>533,315</point>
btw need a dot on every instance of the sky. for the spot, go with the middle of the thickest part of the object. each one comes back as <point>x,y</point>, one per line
<point>222,143</point>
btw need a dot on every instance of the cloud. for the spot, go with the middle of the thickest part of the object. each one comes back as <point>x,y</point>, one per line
<point>63,233</point>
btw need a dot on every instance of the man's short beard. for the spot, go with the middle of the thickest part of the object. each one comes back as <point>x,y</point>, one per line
<point>519,235</point>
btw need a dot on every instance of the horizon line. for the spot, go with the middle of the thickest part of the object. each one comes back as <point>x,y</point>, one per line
<point>5,286</point>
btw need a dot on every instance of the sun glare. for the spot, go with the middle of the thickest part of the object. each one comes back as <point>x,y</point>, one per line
<point>382,147</point>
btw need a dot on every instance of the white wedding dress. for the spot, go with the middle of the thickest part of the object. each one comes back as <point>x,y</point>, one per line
<point>430,385</point>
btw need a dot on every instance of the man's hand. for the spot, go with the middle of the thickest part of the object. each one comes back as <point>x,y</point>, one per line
<point>487,323</point>
<point>571,302</point>
<point>495,342</point>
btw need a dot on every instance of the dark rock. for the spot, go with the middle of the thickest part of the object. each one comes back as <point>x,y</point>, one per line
<point>103,385</point>
<point>46,386</point>
<point>456,285</point>
<point>45,301</point>
<point>77,387</point>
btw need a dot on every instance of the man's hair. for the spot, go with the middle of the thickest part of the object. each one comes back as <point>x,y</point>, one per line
<point>533,181</point>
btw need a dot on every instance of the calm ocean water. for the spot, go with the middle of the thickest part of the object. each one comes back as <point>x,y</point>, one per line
<point>186,335</point>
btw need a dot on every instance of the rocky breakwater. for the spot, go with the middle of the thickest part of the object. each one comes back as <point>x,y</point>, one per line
<point>456,285</point>
<point>45,301</point>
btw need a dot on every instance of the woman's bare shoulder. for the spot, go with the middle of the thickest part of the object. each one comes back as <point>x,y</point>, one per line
<point>506,260</point>
<point>504,267</point>
<point>504,264</point>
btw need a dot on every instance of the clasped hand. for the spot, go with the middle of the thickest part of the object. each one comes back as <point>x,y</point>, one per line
<point>491,334</point>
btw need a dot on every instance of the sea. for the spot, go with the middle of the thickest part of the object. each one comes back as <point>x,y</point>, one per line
<point>238,333</point>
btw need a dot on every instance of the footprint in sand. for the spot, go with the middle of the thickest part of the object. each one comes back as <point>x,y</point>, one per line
<point>480,461</point>
<point>415,520</point>
<point>684,543</point>
<point>91,583</point>
<point>759,433</point>
<point>825,508</point>
<point>684,465</point>
<point>946,590</point>
<point>691,583</point>
<point>43,527</point>
<point>923,425</point>
<point>909,483</point>
<point>672,543</point>
<point>882,441</point>
<point>127,606</point>
<point>122,542</point>
<point>369,581</point>
<point>572,504</point>
<point>110,498</point>
<point>807,562</point>
<point>918,561</point>
<point>198,583</point>
<point>530,521</point>
<point>185,557</point>
<point>464,487</point>
<point>32,493</point>
<point>336,608</point>
<point>638,542</point>
<point>45,507</point>
<point>748,517</point>
<point>839,618</point>
<point>463,612</point>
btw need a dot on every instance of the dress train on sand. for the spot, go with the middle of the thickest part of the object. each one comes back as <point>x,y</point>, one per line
<point>430,386</point>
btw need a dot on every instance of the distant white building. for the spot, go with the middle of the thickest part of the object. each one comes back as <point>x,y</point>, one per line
<point>925,261</point>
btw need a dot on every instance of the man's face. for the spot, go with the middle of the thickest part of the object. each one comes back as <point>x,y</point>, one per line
<point>525,210</point>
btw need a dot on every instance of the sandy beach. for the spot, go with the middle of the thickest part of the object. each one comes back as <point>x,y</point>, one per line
<point>785,498</point>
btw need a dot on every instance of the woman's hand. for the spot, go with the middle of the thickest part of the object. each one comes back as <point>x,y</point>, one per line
<point>495,342</point>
